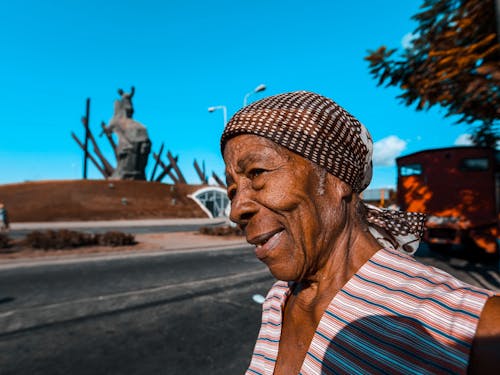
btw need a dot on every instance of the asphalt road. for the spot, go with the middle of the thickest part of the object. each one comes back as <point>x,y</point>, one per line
<point>174,313</point>
<point>466,264</point>
<point>188,312</point>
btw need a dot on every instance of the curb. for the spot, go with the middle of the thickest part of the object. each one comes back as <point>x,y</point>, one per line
<point>113,223</point>
<point>104,256</point>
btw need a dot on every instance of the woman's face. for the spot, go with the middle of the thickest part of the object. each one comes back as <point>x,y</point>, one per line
<point>278,198</point>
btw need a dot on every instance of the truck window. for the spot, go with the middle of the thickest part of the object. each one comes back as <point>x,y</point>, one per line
<point>410,170</point>
<point>474,164</point>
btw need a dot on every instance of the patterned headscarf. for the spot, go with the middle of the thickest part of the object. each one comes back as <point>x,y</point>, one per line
<point>321,131</point>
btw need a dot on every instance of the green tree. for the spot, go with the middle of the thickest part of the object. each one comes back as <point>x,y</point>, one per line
<point>453,61</point>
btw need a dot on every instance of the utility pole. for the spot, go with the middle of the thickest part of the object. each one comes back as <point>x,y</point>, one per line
<point>85,121</point>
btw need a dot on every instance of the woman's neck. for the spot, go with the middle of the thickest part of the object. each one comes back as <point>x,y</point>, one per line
<point>351,250</point>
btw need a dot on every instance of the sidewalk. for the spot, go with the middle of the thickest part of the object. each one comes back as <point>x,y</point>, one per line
<point>114,223</point>
<point>149,244</point>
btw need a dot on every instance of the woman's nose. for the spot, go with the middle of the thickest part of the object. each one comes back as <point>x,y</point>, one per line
<point>243,206</point>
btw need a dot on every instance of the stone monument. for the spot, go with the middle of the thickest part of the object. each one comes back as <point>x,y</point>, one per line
<point>134,145</point>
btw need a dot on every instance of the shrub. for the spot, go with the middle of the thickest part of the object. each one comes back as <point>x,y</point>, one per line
<point>67,239</point>
<point>221,230</point>
<point>59,239</point>
<point>114,238</point>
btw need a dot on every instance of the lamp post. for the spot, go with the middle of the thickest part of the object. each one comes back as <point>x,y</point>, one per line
<point>259,88</point>
<point>224,110</point>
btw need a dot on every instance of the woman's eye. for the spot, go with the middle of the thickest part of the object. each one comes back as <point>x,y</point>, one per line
<point>256,172</point>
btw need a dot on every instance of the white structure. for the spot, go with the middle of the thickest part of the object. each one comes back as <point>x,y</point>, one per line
<point>213,201</point>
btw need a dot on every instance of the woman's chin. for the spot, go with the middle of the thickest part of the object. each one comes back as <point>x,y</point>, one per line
<point>283,272</point>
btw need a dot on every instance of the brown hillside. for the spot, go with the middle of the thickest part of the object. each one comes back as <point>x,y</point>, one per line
<point>75,200</point>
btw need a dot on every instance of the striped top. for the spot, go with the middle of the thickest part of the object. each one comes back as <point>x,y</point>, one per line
<point>394,316</point>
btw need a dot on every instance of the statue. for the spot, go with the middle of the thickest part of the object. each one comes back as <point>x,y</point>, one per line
<point>134,145</point>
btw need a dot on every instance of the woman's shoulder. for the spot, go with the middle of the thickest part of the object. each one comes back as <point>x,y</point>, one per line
<point>423,286</point>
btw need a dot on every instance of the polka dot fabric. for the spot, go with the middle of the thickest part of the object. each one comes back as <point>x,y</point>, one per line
<point>321,131</point>
<point>312,126</point>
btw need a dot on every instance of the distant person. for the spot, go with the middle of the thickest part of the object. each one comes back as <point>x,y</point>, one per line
<point>350,297</point>
<point>4,219</point>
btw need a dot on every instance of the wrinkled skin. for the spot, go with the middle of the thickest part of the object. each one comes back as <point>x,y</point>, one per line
<point>305,228</point>
<point>274,191</point>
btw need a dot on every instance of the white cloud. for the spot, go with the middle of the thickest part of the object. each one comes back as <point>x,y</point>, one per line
<point>407,40</point>
<point>387,150</point>
<point>463,140</point>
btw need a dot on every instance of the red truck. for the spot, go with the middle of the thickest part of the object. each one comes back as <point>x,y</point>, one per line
<point>459,189</point>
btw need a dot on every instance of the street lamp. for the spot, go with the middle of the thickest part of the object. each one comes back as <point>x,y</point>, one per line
<point>259,88</point>
<point>224,110</point>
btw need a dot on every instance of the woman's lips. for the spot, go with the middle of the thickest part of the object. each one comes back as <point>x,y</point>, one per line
<point>261,251</point>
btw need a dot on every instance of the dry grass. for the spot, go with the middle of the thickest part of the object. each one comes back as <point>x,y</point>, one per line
<point>81,200</point>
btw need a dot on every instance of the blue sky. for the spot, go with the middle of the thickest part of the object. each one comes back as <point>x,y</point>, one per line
<point>184,56</point>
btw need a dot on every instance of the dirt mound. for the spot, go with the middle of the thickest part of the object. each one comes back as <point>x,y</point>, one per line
<point>75,200</point>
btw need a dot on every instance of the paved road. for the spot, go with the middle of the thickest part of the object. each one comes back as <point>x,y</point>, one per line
<point>174,313</point>
<point>465,264</point>
<point>187,312</point>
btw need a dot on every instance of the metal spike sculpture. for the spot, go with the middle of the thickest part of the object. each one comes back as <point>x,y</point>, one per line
<point>133,148</point>
<point>218,180</point>
<point>173,161</point>
<point>166,169</point>
<point>101,163</point>
<point>201,172</point>
<point>157,158</point>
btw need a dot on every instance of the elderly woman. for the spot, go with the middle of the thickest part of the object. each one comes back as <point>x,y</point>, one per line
<point>350,297</point>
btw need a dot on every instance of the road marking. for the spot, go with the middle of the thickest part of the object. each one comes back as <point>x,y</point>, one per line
<point>455,262</point>
<point>31,317</point>
<point>141,292</point>
<point>494,275</point>
<point>7,313</point>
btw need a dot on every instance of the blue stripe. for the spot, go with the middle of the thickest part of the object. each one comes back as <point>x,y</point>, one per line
<point>271,308</point>
<point>271,324</point>
<point>345,337</point>
<point>467,345</point>
<point>263,356</point>
<point>418,297</point>
<point>255,372</point>
<point>266,339</point>
<point>343,365</point>
<point>278,298</point>
<point>435,346</point>
<point>428,280</point>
